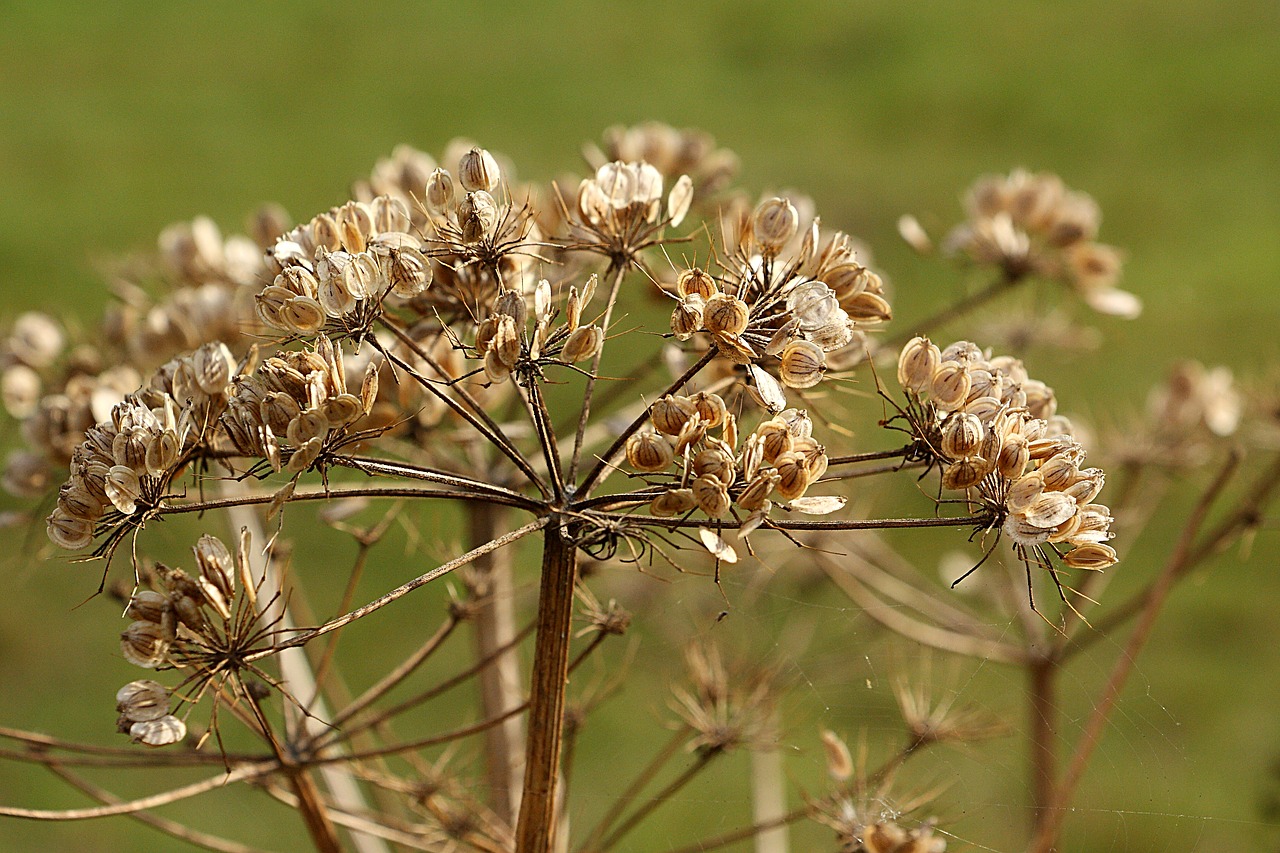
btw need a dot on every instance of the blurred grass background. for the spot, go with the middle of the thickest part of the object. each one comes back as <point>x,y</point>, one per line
<point>118,119</point>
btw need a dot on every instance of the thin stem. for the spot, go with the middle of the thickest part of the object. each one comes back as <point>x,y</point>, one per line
<point>643,778</point>
<point>416,472</point>
<point>546,437</point>
<point>865,524</point>
<point>537,822</point>
<point>603,462</point>
<point>868,457</point>
<point>1043,715</point>
<point>619,271</point>
<point>704,758</point>
<point>403,589</point>
<point>336,494</point>
<point>1050,828</point>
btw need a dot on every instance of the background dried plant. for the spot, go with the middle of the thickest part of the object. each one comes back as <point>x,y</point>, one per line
<point>927,194</point>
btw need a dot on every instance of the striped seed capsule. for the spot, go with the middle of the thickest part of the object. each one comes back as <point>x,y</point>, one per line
<point>949,387</point>
<point>714,463</point>
<point>712,409</point>
<point>962,435</point>
<point>793,476</point>
<point>725,315</point>
<point>695,282</point>
<point>670,413</point>
<point>711,496</point>
<point>757,492</point>
<point>649,452</point>
<point>687,317</point>
<point>673,502</point>
<point>919,361</point>
<point>775,438</point>
<point>964,473</point>
<point>773,223</point>
<point>478,170</point>
<point>1094,556</point>
<point>802,364</point>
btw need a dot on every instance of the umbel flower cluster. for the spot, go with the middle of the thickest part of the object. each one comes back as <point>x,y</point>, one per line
<point>408,347</point>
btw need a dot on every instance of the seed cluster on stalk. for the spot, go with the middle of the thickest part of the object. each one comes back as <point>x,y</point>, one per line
<point>992,429</point>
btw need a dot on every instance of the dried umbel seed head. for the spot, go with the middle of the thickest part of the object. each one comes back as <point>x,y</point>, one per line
<point>583,343</point>
<point>774,223</point>
<point>802,364</point>
<point>725,315</point>
<point>141,701</point>
<point>670,413</point>
<point>649,452</point>
<point>673,502</point>
<point>478,170</point>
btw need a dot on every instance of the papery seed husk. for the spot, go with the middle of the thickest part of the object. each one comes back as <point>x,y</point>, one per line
<point>478,170</point>
<point>123,488</point>
<point>693,431</point>
<point>711,496</point>
<point>687,317</point>
<point>752,456</point>
<point>735,349</point>
<point>774,223</point>
<point>1059,472</point>
<point>369,388</point>
<point>1087,486</point>
<point>1094,556</point>
<point>673,502</point>
<point>802,364</point>
<point>495,371</point>
<point>793,476</point>
<point>950,386</point>
<point>162,732</point>
<point>715,463</point>
<point>962,435</point>
<point>506,341</point>
<point>757,492</point>
<point>818,504</point>
<point>304,315</point>
<point>216,564</point>
<point>695,282</point>
<point>145,644</point>
<point>148,606</point>
<point>304,455</point>
<point>438,193</point>
<point>1049,510</point>
<point>1013,457</point>
<point>1067,529</point>
<point>964,473</point>
<point>679,200</point>
<point>649,452</point>
<point>725,314</point>
<point>775,437</point>
<point>717,547</point>
<point>711,407</point>
<point>583,343</point>
<point>766,390</point>
<point>867,308</point>
<point>670,413</point>
<point>143,700</point>
<point>342,409</point>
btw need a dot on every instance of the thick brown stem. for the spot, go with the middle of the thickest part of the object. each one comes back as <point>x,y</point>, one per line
<point>1043,730</point>
<point>536,828</point>
<point>500,688</point>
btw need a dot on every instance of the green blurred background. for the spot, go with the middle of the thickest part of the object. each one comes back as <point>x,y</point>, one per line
<point>116,119</point>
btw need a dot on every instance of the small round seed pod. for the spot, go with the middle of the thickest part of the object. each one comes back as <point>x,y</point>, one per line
<point>1095,524</point>
<point>1049,510</point>
<point>962,435</point>
<point>1094,556</point>
<point>802,364</point>
<point>725,315</point>
<point>693,431</point>
<point>673,502</point>
<point>1040,400</point>
<point>1066,529</point>
<point>950,386</point>
<point>649,452</point>
<point>583,343</point>
<point>775,438</point>
<point>477,215</point>
<point>670,413</point>
<point>494,369</point>
<point>847,280</point>
<point>964,473</point>
<point>148,606</point>
<point>439,193</point>
<point>757,492</point>
<point>714,463</point>
<point>712,409</point>
<point>679,200</point>
<point>143,700</point>
<point>1013,457</point>
<point>305,455</point>
<point>355,225</point>
<point>695,282</point>
<point>798,422</point>
<point>773,223</point>
<point>216,565</point>
<point>813,304</point>
<point>145,644</point>
<point>123,488</point>
<point>793,476</point>
<point>389,214</point>
<point>868,307</point>
<point>919,361</point>
<point>162,732</point>
<point>506,341</point>
<point>711,496</point>
<point>687,317</point>
<point>303,315</point>
<point>1024,492</point>
<point>1059,472</point>
<point>478,170</point>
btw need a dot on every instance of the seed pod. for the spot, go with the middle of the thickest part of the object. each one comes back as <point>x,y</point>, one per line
<point>735,349</point>
<point>140,701</point>
<point>478,170</point>
<point>1095,524</point>
<point>950,386</point>
<point>494,369</point>
<point>793,476</point>
<point>1059,472</point>
<point>687,317</point>
<point>1013,457</point>
<point>1094,556</point>
<point>1025,491</point>
<point>477,216</point>
<point>369,388</point>
<point>757,492</point>
<point>1087,485</point>
<point>649,452</point>
<point>162,732</point>
<point>725,315</point>
<point>68,531</point>
<point>583,343</point>
<point>802,364</point>
<point>964,473</point>
<point>673,502</point>
<point>774,223</point>
<point>1040,400</point>
<point>148,606</point>
<point>145,644</point>
<point>506,341</point>
<point>123,488</point>
<point>439,193</point>
<point>304,456</point>
<point>216,565</point>
<point>325,233</point>
<point>408,271</point>
<point>695,282</point>
<point>711,496</point>
<point>693,431</point>
<point>712,409</point>
<point>812,304</point>
<point>714,463</point>
<point>679,200</point>
<point>868,307</point>
<point>775,438</point>
<point>1067,529</point>
<point>670,413</point>
<point>962,435</point>
<point>837,333</point>
<point>917,365</point>
<point>1049,510</point>
<point>798,422</point>
<point>846,280</point>
<point>752,456</point>
<point>766,390</point>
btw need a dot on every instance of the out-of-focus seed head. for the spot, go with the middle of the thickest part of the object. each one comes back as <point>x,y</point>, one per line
<point>774,223</point>
<point>478,170</point>
<point>679,200</point>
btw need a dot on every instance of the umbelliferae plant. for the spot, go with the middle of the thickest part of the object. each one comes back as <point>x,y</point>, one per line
<point>454,337</point>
